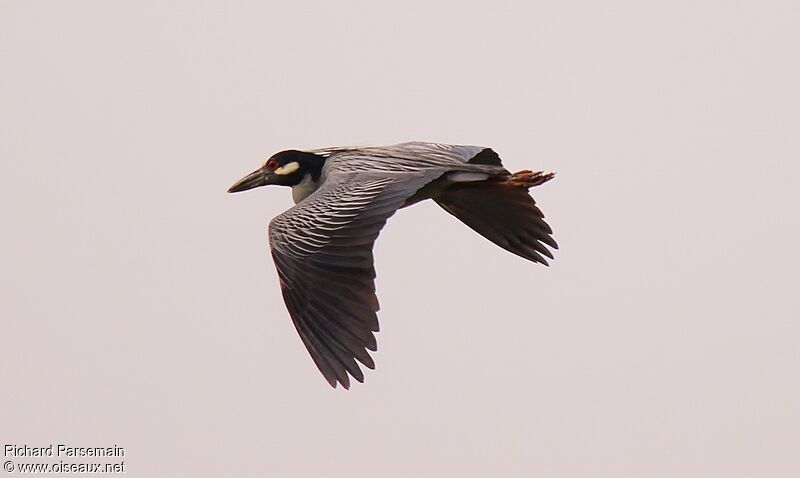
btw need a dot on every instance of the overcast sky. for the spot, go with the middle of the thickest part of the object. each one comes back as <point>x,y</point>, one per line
<point>140,307</point>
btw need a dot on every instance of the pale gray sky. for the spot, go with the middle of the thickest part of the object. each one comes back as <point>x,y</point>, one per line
<point>141,308</point>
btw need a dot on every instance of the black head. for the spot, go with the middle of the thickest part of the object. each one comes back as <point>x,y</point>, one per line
<point>287,168</point>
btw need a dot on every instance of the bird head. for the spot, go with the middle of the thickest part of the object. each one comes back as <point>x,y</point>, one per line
<point>287,168</point>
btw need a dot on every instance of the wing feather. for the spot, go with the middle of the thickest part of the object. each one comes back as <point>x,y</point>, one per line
<point>322,250</point>
<point>506,215</point>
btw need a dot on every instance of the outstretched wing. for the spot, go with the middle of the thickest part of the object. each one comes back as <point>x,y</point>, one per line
<point>322,248</point>
<point>506,215</point>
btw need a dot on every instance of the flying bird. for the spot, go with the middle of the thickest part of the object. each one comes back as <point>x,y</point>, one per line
<point>322,246</point>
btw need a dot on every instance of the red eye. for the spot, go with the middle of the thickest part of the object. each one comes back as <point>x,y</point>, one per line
<point>272,164</point>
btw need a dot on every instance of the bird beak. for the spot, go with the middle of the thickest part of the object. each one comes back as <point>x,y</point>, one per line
<point>259,177</point>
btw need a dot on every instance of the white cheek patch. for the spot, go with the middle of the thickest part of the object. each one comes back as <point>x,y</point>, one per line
<point>288,169</point>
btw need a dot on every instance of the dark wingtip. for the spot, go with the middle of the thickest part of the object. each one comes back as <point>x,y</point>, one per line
<point>367,361</point>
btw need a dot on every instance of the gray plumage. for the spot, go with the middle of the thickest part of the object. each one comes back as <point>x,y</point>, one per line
<point>322,247</point>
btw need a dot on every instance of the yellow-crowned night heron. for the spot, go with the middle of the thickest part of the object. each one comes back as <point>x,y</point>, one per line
<point>322,247</point>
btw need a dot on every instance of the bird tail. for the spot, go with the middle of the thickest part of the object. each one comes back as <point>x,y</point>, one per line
<point>528,179</point>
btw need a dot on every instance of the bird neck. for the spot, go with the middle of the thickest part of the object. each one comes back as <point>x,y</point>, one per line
<point>304,188</point>
<point>312,164</point>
